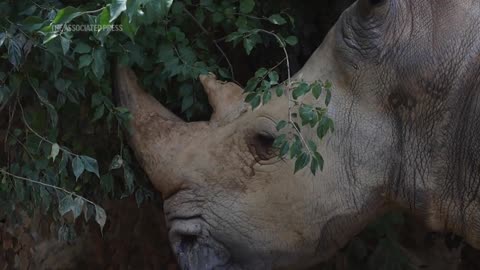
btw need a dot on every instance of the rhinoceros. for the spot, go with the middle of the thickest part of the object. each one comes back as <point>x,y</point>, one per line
<point>406,108</point>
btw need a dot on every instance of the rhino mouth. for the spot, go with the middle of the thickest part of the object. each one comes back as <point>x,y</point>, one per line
<point>194,247</point>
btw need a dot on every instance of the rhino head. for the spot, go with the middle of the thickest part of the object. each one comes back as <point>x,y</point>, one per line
<point>407,113</point>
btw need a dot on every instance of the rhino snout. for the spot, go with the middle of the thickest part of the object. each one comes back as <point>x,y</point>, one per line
<point>195,248</point>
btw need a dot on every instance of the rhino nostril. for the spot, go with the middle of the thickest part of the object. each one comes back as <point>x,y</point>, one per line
<point>185,234</point>
<point>188,240</point>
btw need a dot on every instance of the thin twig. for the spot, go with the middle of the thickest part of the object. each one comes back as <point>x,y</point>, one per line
<point>7,75</point>
<point>213,40</point>
<point>26,35</point>
<point>10,120</point>
<point>23,145</point>
<point>284,51</point>
<point>47,185</point>
<point>289,87</point>
<point>251,16</point>
<point>93,11</point>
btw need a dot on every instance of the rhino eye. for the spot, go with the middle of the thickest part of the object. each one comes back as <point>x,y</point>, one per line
<point>262,146</point>
<point>265,140</point>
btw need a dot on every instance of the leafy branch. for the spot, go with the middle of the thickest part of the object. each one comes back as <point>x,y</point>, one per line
<point>68,205</point>
<point>303,150</point>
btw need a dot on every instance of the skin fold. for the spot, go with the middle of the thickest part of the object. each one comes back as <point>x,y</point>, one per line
<point>406,112</point>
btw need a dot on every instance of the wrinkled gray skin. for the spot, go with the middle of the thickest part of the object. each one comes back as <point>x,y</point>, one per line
<point>406,75</point>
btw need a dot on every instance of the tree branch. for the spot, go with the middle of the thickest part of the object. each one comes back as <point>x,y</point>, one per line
<point>47,185</point>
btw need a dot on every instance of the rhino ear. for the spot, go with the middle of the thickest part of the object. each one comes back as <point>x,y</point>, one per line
<point>226,99</point>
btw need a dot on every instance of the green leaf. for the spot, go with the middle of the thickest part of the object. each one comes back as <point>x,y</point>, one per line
<point>133,8</point>
<point>116,8</point>
<point>324,126</point>
<point>307,114</point>
<point>262,72</point>
<point>32,23</point>
<point>155,10</point>
<point>106,181</point>
<point>100,216</point>
<point>3,36</point>
<point>65,42</point>
<point>66,15</point>
<point>117,162</point>
<point>279,141</point>
<point>66,233</point>
<point>99,111</point>
<point>291,40</point>
<point>316,90</point>
<point>314,166</point>
<point>65,204</point>
<point>312,146</point>
<point>129,178</point>
<point>234,36</point>
<point>63,162</point>
<point>84,60</point>
<point>91,165</point>
<point>328,97</point>
<point>302,162</point>
<point>82,47</point>
<point>277,19</point>
<point>320,160</point>
<point>139,197</point>
<point>273,76</point>
<point>296,148</point>
<point>55,151</point>
<point>224,73</point>
<point>187,103</point>
<point>50,36</point>
<point>282,124</point>
<point>328,85</point>
<point>300,90</point>
<point>284,149</point>
<point>279,91</point>
<point>98,67</point>
<point>53,115</point>
<point>129,28</point>
<point>246,6</point>
<point>78,167</point>
<point>248,44</point>
<point>256,101</point>
<point>14,52</point>
<point>267,96</point>
<point>103,18</point>
<point>77,207</point>
<point>252,84</point>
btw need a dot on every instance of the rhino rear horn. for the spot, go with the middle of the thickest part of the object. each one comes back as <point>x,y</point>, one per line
<point>226,99</point>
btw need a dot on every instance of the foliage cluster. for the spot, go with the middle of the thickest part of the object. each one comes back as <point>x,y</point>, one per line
<point>63,131</point>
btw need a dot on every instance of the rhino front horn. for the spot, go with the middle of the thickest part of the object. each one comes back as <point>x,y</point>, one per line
<point>157,136</point>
